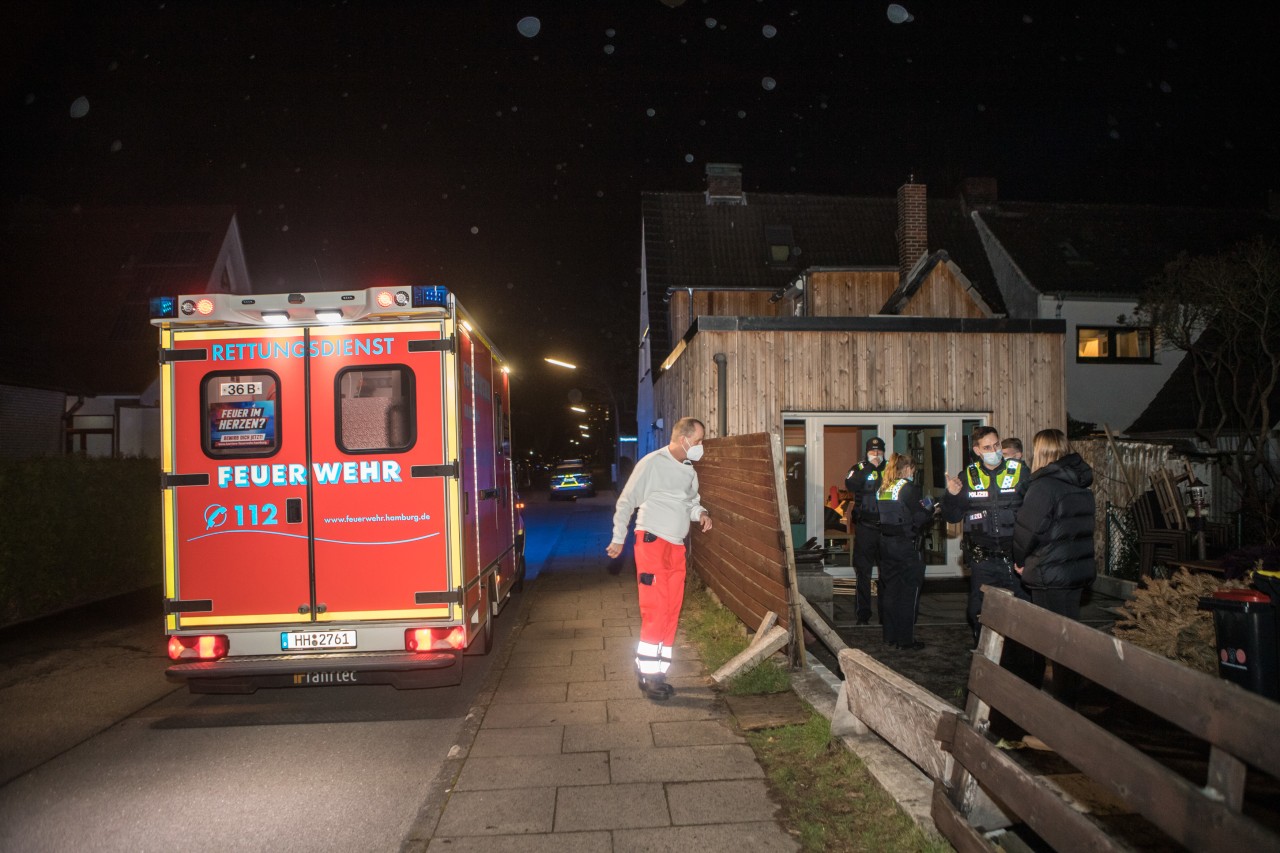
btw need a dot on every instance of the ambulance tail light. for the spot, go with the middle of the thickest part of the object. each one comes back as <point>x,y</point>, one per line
<point>427,639</point>
<point>202,647</point>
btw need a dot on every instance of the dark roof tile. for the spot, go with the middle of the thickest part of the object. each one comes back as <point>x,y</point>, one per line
<point>1113,249</point>
<point>689,243</point>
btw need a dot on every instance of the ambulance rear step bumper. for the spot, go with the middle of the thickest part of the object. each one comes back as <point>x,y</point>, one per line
<point>402,670</point>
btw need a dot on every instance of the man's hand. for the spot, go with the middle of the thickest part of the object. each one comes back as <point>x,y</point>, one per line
<point>614,550</point>
<point>1018,569</point>
<point>954,485</point>
<point>705,521</point>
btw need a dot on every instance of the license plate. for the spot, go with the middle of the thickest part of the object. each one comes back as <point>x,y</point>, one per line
<point>317,641</point>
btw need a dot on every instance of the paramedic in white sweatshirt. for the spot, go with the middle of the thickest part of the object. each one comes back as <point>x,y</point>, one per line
<point>664,488</point>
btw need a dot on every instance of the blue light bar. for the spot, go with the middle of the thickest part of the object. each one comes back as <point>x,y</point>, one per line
<point>430,296</point>
<point>164,307</point>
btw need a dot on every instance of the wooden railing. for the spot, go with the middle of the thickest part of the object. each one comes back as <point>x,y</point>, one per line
<point>1239,727</point>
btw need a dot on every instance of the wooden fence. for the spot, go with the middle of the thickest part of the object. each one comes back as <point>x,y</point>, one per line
<point>1148,798</point>
<point>746,559</point>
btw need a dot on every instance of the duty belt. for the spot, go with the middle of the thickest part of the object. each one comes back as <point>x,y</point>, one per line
<point>979,554</point>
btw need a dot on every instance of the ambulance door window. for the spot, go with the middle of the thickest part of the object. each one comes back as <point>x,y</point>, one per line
<point>375,409</point>
<point>242,414</point>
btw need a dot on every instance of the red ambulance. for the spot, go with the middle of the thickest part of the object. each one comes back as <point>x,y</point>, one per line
<point>337,484</point>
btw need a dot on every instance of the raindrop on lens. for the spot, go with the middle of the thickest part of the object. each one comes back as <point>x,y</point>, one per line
<point>897,14</point>
<point>769,84</point>
<point>769,31</point>
<point>529,27</point>
<point>80,107</point>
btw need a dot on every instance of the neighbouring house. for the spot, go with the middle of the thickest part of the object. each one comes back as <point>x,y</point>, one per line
<point>78,355</point>
<point>828,320</point>
<point>1087,264</point>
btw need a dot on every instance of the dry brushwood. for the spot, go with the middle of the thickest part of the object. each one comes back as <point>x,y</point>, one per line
<point>1164,617</point>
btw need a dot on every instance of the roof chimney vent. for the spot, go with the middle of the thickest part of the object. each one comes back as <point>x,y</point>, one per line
<point>724,183</point>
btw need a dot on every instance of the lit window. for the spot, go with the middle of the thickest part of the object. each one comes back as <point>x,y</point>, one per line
<point>1121,344</point>
<point>780,241</point>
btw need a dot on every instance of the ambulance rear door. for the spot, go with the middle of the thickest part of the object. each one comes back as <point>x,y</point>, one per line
<point>383,472</point>
<point>236,533</point>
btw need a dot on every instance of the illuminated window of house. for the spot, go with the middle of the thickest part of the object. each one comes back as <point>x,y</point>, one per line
<point>780,240</point>
<point>1116,344</point>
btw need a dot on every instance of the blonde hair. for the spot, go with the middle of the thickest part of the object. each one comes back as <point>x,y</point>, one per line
<point>893,470</point>
<point>1049,446</point>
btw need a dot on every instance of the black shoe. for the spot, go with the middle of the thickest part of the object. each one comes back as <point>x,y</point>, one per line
<point>914,646</point>
<point>656,687</point>
<point>864,620</point>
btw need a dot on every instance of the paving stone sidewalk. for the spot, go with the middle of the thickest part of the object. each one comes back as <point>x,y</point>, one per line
<point>569,756</point>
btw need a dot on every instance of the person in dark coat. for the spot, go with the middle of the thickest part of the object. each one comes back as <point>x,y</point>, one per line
<point>1053,536</point>
<point>903,512</point>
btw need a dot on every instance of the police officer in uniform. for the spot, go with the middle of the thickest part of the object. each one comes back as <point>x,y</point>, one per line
<point>863,481</point>
<point>903,512</point>
<point>986,496</point>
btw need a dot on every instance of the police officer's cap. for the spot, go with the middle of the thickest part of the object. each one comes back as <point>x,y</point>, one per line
<point>875,443</point>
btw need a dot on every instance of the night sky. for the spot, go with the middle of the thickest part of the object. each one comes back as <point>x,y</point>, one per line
<point>500,148</point>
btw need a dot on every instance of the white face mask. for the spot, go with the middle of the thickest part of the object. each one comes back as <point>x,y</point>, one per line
<point>693,453</point>
<point>875,457</point>
<point>992,459</point>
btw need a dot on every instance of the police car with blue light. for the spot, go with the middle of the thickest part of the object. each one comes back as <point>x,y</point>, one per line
<point>571,479</point>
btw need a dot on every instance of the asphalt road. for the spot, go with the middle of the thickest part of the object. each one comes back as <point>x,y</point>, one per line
<point>98,751</point>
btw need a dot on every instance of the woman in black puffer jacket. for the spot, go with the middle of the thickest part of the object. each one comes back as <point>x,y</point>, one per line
<point>1053,535</point>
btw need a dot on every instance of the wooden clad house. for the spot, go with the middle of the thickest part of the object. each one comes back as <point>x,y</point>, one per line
<point>78,369</point>
<point>830,320</point>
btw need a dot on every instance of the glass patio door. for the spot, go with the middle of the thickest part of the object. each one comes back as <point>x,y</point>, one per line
<point>834,442</point>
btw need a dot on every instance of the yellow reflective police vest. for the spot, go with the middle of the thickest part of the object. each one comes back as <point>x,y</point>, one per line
<point>893,511</point>
<point>993,498</point>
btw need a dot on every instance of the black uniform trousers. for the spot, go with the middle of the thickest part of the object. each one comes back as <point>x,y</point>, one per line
<point>1017,658</point>
<point>866,553</point>
<point>901,577</point>
<point>990,571</point>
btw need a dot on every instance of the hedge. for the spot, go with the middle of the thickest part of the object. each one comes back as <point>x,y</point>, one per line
<point>75,530</point>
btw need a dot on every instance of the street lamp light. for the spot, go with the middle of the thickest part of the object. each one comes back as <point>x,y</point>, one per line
<point>613,404</point>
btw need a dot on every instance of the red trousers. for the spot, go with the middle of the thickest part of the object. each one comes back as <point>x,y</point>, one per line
<point>660,568</point>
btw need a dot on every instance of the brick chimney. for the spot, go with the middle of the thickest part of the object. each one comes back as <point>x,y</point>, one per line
<point>913,228</point>
<point>724,183</point>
